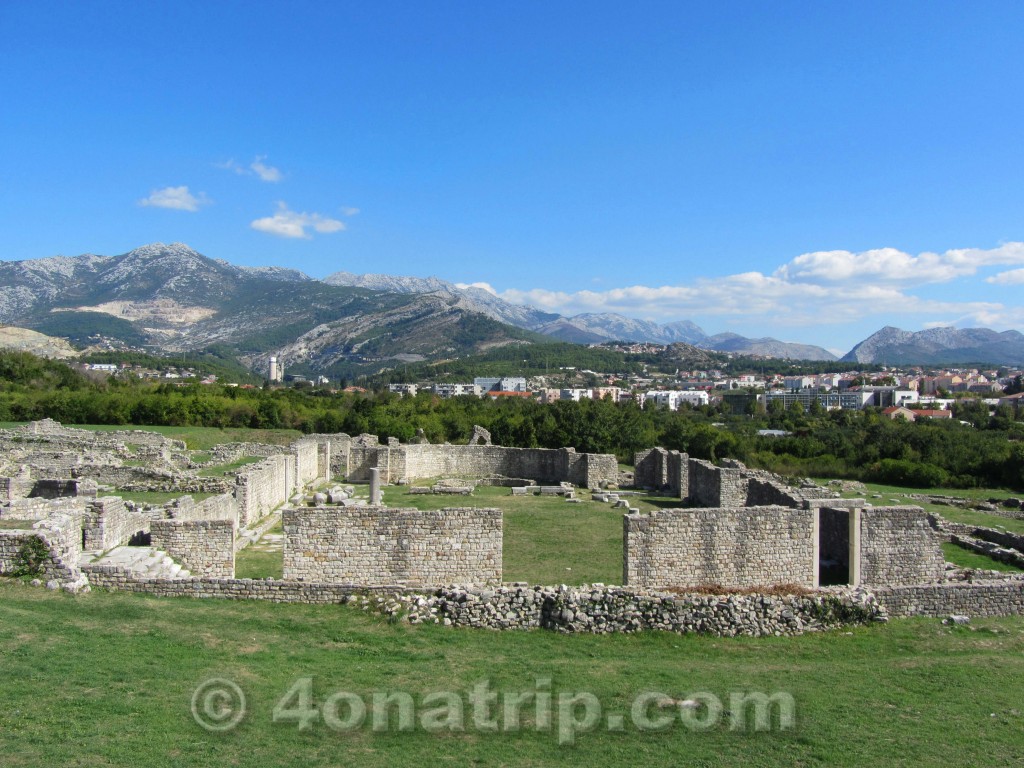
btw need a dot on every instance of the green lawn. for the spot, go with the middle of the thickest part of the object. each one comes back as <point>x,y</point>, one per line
<point>106,679</point>
<point>965,558</point>
<point>230,468</point>
<point>547,540</point>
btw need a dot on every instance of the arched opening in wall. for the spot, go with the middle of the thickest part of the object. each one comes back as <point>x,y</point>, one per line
<point>834,547</point>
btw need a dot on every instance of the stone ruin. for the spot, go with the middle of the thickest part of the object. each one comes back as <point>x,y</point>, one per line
<point>734,528</point>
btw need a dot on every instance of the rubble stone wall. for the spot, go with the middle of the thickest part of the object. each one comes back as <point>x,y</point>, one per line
<point>61,534</point>
<point>375,545</point>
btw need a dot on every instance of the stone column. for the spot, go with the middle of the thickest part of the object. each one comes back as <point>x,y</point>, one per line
<point>375,486</point>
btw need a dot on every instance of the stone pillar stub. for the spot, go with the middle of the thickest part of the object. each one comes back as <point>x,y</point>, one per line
<point>375,497</point>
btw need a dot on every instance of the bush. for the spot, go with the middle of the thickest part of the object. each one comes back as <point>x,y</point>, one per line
<point>913,474</point>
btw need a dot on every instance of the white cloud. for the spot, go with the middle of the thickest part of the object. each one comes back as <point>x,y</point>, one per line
<point>1013,277</point>
<point>175,198</point>
<point>347,211</point>
<point>890,265</point>
<point>256,168</point>
<point>483,286</point>
<point>812,290</point>
<point>265,172</point>
<point>231,165</point>
<point>288,223</point>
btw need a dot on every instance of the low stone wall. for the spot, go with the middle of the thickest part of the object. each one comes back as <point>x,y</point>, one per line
<point>761,493</point>
<point>204,547</point>
<point>375,545</point>
<point>60,534</point>
<point>38,509</point>
<point>109,523</point>
<point>997,598</point>
<point>220,507</point>
<point>734,548</point>
<point>597,609</point>
<point>11,542</point>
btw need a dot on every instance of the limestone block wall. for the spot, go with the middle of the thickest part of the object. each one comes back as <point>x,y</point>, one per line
<point>11,542</point>
<point>38,509</point>
<point>735,548</point>
<point>307,461</point>
<point>898,547</point>
<point>374,545</point>
<point>220,507</point>
<point>767,493</point>
<point>417,461</point>
<point>204,547</point>
<point>997,598</point>
<point>662,469</point>
<point>711,486</point>
<point>650,469</point>
<point>261,488</point>
<point>108,523</point>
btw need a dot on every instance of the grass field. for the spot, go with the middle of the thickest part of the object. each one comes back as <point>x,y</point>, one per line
<point>196,438</point>
<point>966,558</point>
<point>107,679</point>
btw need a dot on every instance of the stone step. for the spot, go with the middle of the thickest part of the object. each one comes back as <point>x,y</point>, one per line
<point>147,562</point>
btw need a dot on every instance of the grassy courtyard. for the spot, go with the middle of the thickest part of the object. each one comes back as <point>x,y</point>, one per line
<point>106,679</point>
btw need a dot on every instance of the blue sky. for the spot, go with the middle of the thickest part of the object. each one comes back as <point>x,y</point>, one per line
<point>809,171</point>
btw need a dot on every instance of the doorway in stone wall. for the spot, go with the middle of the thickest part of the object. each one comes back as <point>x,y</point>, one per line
<point>833,547</point>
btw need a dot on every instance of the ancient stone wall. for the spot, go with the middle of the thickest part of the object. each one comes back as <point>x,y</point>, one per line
<point>307,461</point>
<point>38,509</point>
<point>762,493</point>
<point>221,507</point>
<point>595,609</point>
<point>109,523</point>
<point>898,547</point>
<point>711,486</point>
<point>662,470</point>
<point>61,534</point>
<point>204,547</point>
<point>996,598</point>
<point>17,487</point>
<point>261,488</point>
<point>734,548</point>
<point>374,545</point>
<point>419,461</point>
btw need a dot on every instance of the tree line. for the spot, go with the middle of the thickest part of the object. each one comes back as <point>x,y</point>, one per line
<point>987,450</point>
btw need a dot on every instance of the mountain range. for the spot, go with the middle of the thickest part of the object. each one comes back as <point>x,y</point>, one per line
<point>170,298</point>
